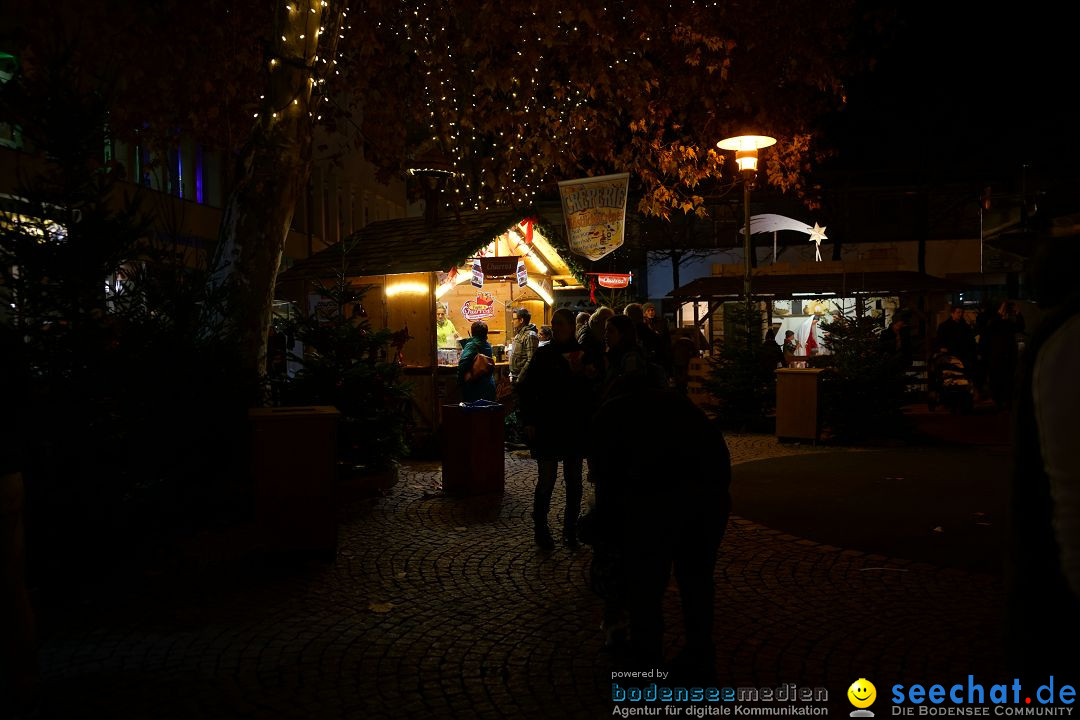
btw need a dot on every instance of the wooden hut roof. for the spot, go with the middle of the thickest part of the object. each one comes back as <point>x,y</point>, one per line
<point>406,245</point>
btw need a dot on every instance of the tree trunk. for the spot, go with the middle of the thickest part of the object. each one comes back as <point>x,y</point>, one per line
<point>254,226</point>
<point>272,172</point>
<point>676,260</point>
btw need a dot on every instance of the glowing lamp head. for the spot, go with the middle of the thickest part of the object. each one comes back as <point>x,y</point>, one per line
<point>746,160</point>
<point>746,149</point>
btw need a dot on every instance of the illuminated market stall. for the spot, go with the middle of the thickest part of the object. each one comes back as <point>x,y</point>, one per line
<point>793,297</point>
<point>436,279</point>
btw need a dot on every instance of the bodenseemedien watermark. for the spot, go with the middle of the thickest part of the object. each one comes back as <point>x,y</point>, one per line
<point>663,700</point>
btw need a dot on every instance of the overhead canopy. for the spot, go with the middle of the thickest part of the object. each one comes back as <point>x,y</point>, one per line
<point>408,245</point>
<point>839,284</point>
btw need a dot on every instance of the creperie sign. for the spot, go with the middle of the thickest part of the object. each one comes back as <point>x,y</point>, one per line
<point>482,307</point>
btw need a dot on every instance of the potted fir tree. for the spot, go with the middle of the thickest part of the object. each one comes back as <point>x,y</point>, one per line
<point>348,364</point>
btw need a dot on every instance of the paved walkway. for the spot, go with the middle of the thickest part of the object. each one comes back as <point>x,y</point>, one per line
<point>439,607</point>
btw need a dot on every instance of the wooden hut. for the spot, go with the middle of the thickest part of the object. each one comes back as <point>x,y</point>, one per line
<point>411,266</point>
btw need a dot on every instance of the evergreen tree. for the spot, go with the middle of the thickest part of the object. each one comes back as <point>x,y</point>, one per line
<point>347,364</point>
<point>864,391</point>
<point>740,377</point>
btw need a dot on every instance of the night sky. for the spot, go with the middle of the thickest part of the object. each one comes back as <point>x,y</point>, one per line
<point>966,93</point>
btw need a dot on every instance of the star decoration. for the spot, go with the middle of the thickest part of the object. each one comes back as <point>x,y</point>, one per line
<point>816,236</point>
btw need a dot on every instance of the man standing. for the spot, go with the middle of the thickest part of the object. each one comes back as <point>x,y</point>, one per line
<point>662,509</point>
<point>555,381</point>
<point>659,325</point>
<point>525,343</point>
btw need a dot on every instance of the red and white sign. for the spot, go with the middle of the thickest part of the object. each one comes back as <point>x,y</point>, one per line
<point>614,280</point>
<point>482,307</point>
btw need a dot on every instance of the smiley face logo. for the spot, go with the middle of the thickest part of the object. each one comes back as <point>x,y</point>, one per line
<point>862,693</point>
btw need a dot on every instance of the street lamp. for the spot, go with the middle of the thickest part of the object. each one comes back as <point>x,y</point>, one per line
<point>746,156</point>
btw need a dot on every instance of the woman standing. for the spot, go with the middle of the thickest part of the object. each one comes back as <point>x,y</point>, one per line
<point>475,379</point>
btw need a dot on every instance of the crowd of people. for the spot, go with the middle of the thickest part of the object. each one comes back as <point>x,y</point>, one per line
<point>988,349</point>
<point>599,381</point>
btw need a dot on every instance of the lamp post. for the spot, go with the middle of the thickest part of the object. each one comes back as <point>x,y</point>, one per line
<point>746,156</point>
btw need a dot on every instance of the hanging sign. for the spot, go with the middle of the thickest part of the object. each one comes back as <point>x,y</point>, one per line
<point>522,273</point>
<point>614,280</point>
<point>499,266</point>
<point>477,273</point>
<point>595,213</point>
<point>482,307</point>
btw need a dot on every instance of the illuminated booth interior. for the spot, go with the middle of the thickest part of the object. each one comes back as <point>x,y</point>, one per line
<point>414,267</point>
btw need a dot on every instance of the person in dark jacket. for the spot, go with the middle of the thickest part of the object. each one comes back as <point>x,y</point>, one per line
<point>646,337</point>
<point>957,338</point>
<point>1043,572</point>
<point>895,340</point>
<point>551,394</point>
<point>1001,352</point>
<point>476,385</point>
<point>772,355</point>
<point>659,325</point>
<point>581,326</point>
<point>664,509</point>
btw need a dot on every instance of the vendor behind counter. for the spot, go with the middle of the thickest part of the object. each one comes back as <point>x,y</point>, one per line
<point>446,335</point>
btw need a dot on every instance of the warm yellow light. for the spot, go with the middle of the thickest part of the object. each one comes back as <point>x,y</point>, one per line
<point>447,287</point>
<point>746,149</point>
<point>414,288</point>
<point>746,142</point>
<point>530,252</point>
<point>539,290</point>
<point>746,160</point>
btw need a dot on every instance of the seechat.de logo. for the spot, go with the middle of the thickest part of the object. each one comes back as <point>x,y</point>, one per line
<point>862,694</point>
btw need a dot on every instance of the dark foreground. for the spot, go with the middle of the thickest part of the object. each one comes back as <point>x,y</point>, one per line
<point>440,607</point>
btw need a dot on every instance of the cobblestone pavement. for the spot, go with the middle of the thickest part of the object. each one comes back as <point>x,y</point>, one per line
<point>440,607</point>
